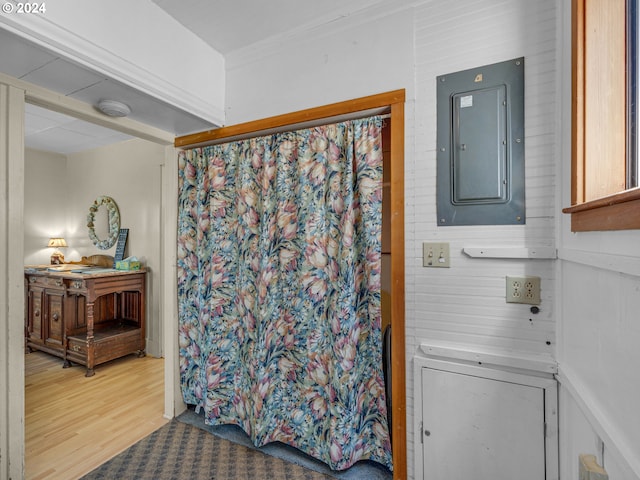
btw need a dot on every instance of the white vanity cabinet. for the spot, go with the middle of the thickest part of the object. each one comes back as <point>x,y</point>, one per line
<point>484,421</point>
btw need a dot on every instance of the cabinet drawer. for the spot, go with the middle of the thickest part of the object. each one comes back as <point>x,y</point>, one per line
<point>48,282</point>
<point>108,343</point>
<point>78,345</point>
<point>76,284</point>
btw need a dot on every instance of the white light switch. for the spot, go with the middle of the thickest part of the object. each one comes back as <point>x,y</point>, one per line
<point>435,255</point>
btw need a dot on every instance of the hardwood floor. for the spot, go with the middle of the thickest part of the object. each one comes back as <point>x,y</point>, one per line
<point>74,423</point>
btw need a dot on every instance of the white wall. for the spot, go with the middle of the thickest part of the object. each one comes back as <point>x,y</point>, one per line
<point>457,36</point>
<point>131,173</point>
<point>599,334</point>
<point>45,205</point>
<point>408,50</point>
<point>466,303</point>
<point>592,292</point>
<point>350,58</point>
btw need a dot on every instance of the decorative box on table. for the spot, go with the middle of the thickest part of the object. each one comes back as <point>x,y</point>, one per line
<point>130,263</point>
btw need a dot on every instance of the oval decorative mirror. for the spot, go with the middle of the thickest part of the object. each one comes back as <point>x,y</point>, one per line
<point>103,223</point>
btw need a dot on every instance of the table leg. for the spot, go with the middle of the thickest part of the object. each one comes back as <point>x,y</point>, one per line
<point>91,354</point>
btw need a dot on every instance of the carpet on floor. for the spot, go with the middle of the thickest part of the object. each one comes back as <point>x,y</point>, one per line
<point>363,470</point>
<point>180,450</point>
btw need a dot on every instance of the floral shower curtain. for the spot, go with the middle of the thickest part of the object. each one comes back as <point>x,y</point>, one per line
<point>279,289</point>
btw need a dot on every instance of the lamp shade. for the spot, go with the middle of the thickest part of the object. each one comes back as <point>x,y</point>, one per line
<point>57,242</point>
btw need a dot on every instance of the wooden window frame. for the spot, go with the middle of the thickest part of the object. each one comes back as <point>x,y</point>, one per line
<point>599,198</point>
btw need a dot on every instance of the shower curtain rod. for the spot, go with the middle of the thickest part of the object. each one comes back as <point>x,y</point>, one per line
<point>291,128</point>
<point>379,104</point>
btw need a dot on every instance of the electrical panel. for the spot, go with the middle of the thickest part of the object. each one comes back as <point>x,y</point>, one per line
<point>480,157</point>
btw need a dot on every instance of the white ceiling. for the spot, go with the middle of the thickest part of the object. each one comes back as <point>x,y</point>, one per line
<point>226,25</point>
<point>54,132</point>
<point>49,131</point>
<point>230,25</point>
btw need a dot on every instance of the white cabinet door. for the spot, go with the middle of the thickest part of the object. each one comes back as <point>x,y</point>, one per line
<point>481,428</point>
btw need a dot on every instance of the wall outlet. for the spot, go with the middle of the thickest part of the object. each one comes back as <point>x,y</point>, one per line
<point>523,290</point>
<point>435,255</point>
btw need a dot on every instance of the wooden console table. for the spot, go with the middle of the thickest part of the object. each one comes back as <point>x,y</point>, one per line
<point>87,315</point>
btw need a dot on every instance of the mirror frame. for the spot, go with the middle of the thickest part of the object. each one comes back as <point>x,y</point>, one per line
<point>114,222</point>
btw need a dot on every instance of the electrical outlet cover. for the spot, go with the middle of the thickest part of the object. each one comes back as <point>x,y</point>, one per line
<point>523,290</point>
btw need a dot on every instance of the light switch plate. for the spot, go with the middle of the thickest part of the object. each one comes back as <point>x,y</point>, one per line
<point>435,255</point>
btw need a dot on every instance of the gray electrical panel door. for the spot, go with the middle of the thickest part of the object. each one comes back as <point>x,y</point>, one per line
<point>480,153</point>
<point>480,160</point>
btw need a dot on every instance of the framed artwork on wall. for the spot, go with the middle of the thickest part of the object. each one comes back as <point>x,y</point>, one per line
<point>122,243</point>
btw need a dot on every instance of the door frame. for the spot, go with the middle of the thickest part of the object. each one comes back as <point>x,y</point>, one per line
<point>14,93</point>
<point>391,103</point>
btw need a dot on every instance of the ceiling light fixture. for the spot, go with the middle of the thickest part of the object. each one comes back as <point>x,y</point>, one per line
<point>113,108</point>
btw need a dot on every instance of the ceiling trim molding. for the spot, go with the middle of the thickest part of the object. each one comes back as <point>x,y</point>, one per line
<point>42,97</point>
<point>52,37</point>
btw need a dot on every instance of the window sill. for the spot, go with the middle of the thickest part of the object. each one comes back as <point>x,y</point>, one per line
<point>620,211</point>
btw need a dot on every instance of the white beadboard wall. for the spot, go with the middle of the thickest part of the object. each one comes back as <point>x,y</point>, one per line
<point>408,49</point>
<point>466,303</point>
<point>598,331</point>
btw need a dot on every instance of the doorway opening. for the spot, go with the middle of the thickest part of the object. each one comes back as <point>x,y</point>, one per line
<point>390,104</point>
<point>69,162</point>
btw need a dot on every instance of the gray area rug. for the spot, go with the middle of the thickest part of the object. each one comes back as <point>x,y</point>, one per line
<point>365,470</point>
<point>181,451</point>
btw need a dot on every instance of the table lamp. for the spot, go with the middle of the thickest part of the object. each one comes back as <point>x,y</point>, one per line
<point>57,257</point>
